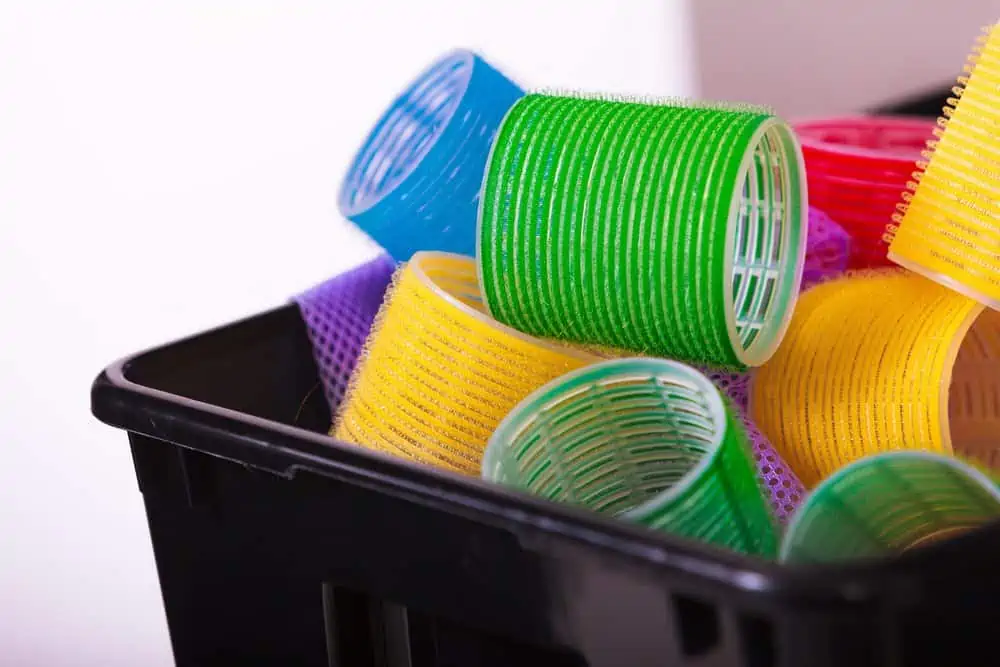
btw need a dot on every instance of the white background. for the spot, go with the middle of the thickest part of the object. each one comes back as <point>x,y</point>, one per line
<point>169,166</point>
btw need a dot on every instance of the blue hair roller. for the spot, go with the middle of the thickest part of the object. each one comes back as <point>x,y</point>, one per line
<point>415,182</point>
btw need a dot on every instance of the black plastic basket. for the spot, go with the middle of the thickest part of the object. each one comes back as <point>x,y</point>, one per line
<point>276,545</point>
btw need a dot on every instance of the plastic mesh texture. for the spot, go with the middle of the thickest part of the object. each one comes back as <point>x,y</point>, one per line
<point>414,184</point>
<point>889,503</point>
<point>736,386</point>
<point>828,249</point>
<point>648,440</point>
<point>865,367</point>
<point>949,229</point>
<point>782,487</point>
<point>438,375</point>
<point>857,166</point>
<point>668,230</point>
<point>338,315</point>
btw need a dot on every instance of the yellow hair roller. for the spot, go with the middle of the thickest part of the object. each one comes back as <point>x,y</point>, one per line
<point>438,374</point>
<point>947,227</point>
<point>867,366</point>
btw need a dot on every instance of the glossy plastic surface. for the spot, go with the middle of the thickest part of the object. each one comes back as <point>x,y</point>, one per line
<point>277,545</point>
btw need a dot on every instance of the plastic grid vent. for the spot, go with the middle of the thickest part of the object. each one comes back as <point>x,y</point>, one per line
<point>758,252</point>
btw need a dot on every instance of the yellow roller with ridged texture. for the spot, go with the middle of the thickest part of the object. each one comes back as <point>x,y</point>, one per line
<point>948,228</point>
<point>438,374</point>
<point>866,367</point>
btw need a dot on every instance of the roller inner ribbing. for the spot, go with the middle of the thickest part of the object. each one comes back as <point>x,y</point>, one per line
<point>614,443</point>
<point>974,394</point>
<point>406,133</point>
<point>890,502</point>
<point>455,279</point>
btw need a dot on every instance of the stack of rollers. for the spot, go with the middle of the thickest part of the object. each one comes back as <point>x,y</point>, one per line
<point>339,314</point>
<point>857,166</point>
<point>607,314</point>
<point>827,252</point>
<point>885,395</point>
<point>441,369</point>
<point>743,244</point>
<point>876,364</point>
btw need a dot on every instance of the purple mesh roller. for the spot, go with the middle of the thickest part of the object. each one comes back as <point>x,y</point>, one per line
<point>783,488</point>
<point>338,315</point>
<point>827,249</point>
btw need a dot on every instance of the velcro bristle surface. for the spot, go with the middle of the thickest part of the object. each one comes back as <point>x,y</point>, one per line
<point>438,375</point>
<point>656,100</point>
<point>677,231</point>
<point>950,232</point>
<point>865,368</point>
